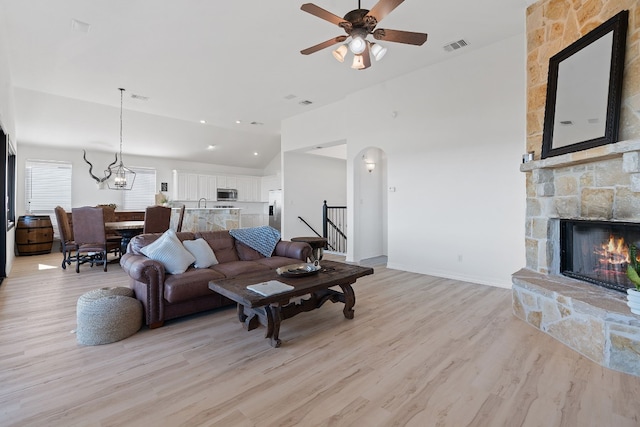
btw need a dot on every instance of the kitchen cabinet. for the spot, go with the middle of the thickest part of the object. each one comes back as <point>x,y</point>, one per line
<point>225,181</point>
<point>185,186</point>
<point>207,187</point>
<point>192,186</point>
<point>248,188</point>
<point>189,186</point>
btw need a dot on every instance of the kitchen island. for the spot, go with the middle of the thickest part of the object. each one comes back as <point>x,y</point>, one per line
<point>207,219</point>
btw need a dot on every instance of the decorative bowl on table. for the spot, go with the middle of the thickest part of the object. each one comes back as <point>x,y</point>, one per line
<point>298,270</point>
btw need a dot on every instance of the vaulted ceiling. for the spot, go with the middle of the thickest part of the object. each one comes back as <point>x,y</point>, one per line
<point>235,65</point>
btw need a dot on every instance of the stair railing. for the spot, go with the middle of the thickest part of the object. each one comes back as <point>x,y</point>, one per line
<point>334,227</point>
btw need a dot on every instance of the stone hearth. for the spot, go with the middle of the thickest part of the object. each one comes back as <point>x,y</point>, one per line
<point>592,320</point>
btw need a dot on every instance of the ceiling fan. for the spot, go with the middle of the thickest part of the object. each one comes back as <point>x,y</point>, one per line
<point>358,24</point>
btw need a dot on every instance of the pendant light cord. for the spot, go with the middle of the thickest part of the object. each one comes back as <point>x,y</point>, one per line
<point>121,95</point>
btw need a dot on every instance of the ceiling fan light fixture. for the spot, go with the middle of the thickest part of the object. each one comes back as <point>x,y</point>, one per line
<point>358,62</point>
<point>340,53</point>
<point>357,45</point>
<point>378,51</point>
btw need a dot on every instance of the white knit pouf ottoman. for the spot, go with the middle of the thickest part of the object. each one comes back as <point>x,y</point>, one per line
<point>107,315</point>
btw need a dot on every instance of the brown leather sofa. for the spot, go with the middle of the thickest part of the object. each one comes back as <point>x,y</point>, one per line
<point>167,296</point>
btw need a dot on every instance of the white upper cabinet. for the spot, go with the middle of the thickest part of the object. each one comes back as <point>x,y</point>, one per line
<point>190,186</point>
<point>248,188</point>
<point>185,186</point>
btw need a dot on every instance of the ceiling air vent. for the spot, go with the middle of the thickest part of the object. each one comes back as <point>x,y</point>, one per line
<point>455,45</point>
<point>305,102</point>
<point>139,97</point>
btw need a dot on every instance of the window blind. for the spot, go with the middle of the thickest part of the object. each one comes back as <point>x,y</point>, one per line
<point>47,185</point>
<point>143,192</point>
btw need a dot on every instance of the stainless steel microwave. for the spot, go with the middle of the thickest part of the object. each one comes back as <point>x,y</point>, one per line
<point>227,194</point>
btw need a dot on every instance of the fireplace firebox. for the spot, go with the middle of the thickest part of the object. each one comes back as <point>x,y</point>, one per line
<point>597,251</point>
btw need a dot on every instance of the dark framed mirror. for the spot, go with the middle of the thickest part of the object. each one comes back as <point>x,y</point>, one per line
<point>584,90</point>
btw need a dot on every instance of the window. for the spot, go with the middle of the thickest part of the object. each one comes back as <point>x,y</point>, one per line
<point>143,192</point>
<point>47,185</point>
<point>11,186</point>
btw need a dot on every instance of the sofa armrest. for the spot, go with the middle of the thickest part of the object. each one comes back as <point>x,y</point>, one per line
<point>141,268</point>
<point>147,281</point>
<point>297,250</point>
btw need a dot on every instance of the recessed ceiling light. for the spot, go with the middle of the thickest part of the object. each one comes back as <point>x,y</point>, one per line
<point>211,147</point>
<point>203,121</point>
<point>238,122</point>
<point>255,153</point>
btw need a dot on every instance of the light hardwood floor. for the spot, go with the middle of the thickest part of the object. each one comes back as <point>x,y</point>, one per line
<point>421,351</point>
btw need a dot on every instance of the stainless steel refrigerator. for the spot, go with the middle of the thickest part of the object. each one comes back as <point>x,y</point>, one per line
<point>275,209</point>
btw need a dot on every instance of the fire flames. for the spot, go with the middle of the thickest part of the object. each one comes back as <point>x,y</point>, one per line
<point>613,253</point>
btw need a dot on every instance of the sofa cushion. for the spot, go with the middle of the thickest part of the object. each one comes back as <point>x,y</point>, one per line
<point>245,253</point>
<point>191,284</point>
<point>202,252</point>
<point>141,240</point>
<point>169,251</point>
<point>223,245</point>
<point>235,268</point>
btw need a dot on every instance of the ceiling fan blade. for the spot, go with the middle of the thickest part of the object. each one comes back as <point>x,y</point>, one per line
<point>366,57</point>
<point>383,8</point>
<point>398,36</point>
<point>323,45</point>
<point>321,13</point>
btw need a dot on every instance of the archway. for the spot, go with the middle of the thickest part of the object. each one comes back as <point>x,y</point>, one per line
<point>369,236</point>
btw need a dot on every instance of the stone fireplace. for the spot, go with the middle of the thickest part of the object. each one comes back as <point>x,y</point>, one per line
<point>597,184</point>
<point>600,184</point>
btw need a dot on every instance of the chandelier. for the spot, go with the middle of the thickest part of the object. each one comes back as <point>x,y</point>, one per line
<point>123,177</point>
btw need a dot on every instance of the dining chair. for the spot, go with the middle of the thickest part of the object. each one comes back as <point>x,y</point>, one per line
<point>180,219</point>
<point>67,244</point>
<point>90,236</point>
<point>109,214</point>
<point>156,219</point>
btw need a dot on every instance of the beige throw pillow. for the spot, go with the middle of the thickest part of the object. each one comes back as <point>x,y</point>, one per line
<point>203,253</point>
<point>169,251</point>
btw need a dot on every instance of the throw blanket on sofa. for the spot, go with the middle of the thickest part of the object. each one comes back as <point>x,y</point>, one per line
<point>263,239</point>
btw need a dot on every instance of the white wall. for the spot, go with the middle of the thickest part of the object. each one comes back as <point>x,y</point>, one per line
<point>453,135</point>
<point>309,180</point>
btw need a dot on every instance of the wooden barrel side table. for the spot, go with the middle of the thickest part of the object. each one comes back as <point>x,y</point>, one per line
<point>34,235</point>
<point>316,243</point>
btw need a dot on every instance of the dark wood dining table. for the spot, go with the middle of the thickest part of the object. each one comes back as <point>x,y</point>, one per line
<point>127,229</point>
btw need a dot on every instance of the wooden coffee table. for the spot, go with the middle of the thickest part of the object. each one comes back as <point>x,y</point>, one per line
<point>269,311</point>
